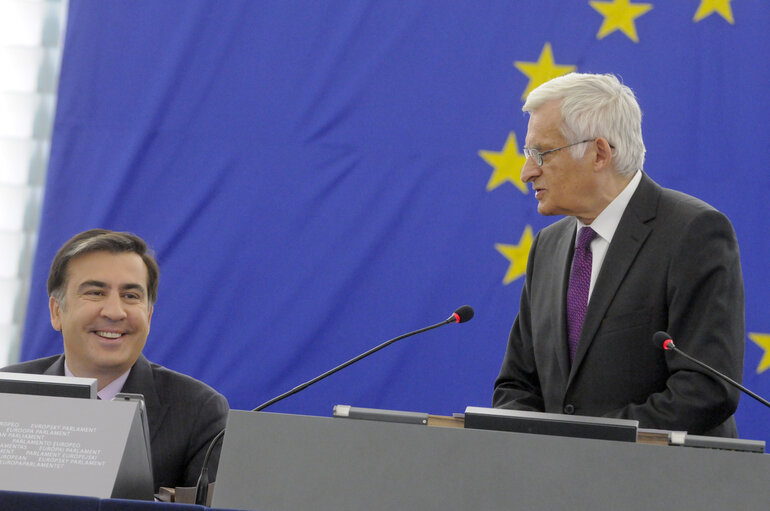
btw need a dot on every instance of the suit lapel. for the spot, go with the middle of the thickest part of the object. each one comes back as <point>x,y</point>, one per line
<point>57,368</point>
<point>629,237</point>
<point>563,264</point>
<point>141,381</point>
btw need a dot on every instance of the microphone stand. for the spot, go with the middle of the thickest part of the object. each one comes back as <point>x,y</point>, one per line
<point>671,346</point>
<point>462,314</point>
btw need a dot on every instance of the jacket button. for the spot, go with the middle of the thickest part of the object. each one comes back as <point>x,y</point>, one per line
<point>569,409</point>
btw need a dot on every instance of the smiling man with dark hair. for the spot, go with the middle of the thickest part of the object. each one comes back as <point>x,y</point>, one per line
<point>102,290</point>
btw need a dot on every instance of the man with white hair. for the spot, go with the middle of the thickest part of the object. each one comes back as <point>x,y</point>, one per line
<point>631,258</point>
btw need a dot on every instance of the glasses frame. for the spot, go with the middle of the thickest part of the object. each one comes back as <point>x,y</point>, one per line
<point>531,153</point>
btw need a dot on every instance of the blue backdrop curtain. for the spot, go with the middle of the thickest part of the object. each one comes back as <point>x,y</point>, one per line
<point>318,177</point>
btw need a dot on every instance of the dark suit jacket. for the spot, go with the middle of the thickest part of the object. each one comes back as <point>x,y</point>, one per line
<point>183,414</point>
<point>673,265</point>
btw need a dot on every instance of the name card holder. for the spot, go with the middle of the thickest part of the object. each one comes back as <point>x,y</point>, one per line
<point>73,446</point>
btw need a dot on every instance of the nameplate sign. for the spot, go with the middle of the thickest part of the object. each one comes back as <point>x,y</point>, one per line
<point>73,446</point>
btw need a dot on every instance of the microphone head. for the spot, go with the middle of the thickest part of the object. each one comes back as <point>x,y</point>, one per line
<point>463,314</point>
<point>662,340</point>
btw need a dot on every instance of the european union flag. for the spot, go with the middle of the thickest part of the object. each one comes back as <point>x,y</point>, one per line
<point>317,177</point>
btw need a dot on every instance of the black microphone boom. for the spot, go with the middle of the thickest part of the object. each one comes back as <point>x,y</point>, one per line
<point>461,315</point>
<point>663,340</point>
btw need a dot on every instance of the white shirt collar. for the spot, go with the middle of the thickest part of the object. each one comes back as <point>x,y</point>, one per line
<point>607,222</point>
<point>108,392</point>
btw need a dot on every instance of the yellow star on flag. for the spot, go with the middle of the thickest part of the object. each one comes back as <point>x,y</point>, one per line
<point>709,7</point>
<point>763,341</point>
<point>507,165</point>
<point>543,70</point>
<point>619,15</point>
<point>517,255</point>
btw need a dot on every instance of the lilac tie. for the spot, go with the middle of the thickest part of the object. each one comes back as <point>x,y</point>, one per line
<point>579,284</point>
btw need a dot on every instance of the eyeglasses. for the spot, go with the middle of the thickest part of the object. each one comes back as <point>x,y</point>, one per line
<point>536,155</point>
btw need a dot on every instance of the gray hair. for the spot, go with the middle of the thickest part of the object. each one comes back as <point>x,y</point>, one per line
<point>592,106</point>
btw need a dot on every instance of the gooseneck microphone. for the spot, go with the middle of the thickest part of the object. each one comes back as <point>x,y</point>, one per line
<point>663,340</point>
<point>461,315</point>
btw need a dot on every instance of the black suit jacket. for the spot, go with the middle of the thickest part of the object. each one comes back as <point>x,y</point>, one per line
<point>673,265</point>
<point>183,415</point>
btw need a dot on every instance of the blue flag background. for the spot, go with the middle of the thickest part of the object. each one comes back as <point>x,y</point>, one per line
<point>318,177</point>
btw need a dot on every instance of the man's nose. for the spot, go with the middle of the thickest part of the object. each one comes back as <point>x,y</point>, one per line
<point>530,170</point>
<point>113,307</point>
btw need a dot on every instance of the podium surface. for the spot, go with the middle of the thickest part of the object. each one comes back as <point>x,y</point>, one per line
<point>289,462</point>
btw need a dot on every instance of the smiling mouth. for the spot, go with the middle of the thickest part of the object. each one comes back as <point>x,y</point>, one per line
<point>108,335</point>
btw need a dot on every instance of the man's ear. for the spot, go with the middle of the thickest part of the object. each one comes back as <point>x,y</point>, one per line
<point>603,153</point>
<point>55,307</point>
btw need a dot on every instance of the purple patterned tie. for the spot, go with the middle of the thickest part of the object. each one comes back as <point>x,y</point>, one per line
<point>579,283</point>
